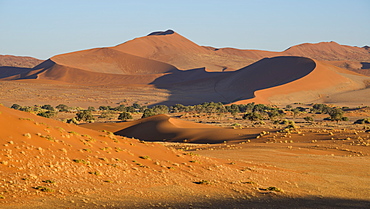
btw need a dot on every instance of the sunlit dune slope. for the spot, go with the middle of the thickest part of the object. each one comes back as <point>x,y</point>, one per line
<point>172,48</point>
<point>164,128</point>
<point>99,67</point>
<point>320,81</point>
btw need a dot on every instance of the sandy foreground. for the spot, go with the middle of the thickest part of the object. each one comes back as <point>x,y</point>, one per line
<point>49,164</point>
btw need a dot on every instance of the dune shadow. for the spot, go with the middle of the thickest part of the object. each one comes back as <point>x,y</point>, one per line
<point>13,72</point>
<point>270,201</point>
<point>365,65</point>
<point>197,85</point>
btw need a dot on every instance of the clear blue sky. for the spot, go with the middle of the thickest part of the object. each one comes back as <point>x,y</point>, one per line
<point>43,28</point>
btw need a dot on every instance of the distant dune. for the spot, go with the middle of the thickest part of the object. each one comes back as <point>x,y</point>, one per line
<point>164,128</point>
<point>18,61</point>
<point>194,74</point>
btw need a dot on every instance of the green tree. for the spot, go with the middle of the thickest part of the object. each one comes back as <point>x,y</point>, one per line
<point>103,107</point>
<point>90,108</point>
<point>48,114</point>
<point>253,116</point>
<point>308,119</point>
<point>148,113</point>
<point>62,108</point>
<point>124,116</point>
<point>136,105</point>
<point>336,114</point>
<point>16,106</point>
<point>47,107</point>
<point>85,115</point>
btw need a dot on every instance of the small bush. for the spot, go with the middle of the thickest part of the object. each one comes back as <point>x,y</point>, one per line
<point>44,189</point>
<point>124,116</point>
<point>49,181</point>
<point>203,182</point>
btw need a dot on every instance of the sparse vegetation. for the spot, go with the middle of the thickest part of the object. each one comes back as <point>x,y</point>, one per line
<point>124,116</point>
<point>44,189</point>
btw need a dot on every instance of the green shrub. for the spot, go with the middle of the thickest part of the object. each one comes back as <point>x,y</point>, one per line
<point>124,116</point>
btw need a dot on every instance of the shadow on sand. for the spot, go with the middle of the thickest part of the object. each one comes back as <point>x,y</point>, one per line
<point>196,86</point>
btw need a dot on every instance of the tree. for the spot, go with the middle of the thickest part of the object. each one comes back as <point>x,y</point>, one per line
<point>308,119</point>
<point>85,115</point>
<point>336,114</point>
<point>62,108</point>
<point>47,107</point>
<point>108,114</point>
<point>48,114</point>
<point>148,113</point>
<point>124,116</point>
<point>136,105</point>
<point>90,108</point>
<point>16,106</point>
<point>103,107</point>
<point>253,116</point>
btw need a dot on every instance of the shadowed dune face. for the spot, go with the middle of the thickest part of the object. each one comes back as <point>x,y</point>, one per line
<point>266,73</point>
<point>162,33</point>
<point>164,128</point>
<point>12,73</point>
<point>238,85</point>
<point>207,74</point>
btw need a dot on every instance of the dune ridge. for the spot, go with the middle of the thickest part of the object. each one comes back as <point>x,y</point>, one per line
<point>195,74</point>
<point>164,128</point>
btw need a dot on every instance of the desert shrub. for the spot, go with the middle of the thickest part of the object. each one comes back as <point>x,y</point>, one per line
<point>320,108</point>
<point>124,116</point>
<point>203,182</point>
<point>16,106</point>
<point>253,116</point>
<point>148,113</point>
<point>62,108</point>
<point>120,108</point>
<point>48,114</point>
<point>85,115</point>
<point>104,107</point>
<point>275,113</point>
<point>47,107</point>
<point>108,114</point>
<point>130,109</point>
<point>308,119</point>
<point>44,189</point>
<point>336,114</point>
<point>72,121</point>
<point>92,109</point>
<point>136,105</point>
<point>362,121</point>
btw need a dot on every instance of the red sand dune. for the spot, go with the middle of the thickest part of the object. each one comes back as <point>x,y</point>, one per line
<point>164,128</point>
<point>18,61</point>
<point>100,66</point>
<point>175,49</point>
<point>144,61</point>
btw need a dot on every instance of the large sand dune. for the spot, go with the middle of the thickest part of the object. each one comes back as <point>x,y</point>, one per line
<point>44,162</point>
<point>193,74</point>
<point>172,48</point>
<point>18,61</point>
<point>164,128</point>
<point>271,80</point>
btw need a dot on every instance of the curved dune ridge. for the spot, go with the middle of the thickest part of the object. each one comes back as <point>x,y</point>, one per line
<point>324,80</point>
<point>36,149</point>
<point>164,128</point>
<point>46,162</point>
<point>99,67</point>
<point>206,73</point>
<point>266,73</point>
